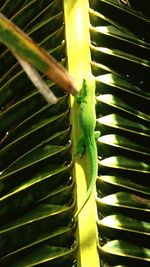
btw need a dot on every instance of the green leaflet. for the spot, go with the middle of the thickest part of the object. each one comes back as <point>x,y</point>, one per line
<point>118,122</point>
<point>124,252</point>
<point>113,103</point>
<point>126,200</point>
<point>125,146</point>
<point>110,183</point>
<point>128,164</point>
<point>30,162</point>
<point>45,183</point>
<point>121,222</point>
<point>28,141</point>
<point>126,228</point>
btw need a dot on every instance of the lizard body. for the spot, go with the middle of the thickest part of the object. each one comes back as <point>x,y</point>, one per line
<point>87,122</point>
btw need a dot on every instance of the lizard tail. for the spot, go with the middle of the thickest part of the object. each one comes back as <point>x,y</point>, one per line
<point>92,151</point>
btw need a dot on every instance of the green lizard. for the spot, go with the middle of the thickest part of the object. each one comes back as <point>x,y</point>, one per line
<point>87,122</point>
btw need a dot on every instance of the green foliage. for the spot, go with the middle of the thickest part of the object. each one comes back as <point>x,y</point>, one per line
<point>36,187</point>
<point>120,61</point>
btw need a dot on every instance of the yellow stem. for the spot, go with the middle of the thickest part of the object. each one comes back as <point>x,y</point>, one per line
<point>78,51</point>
